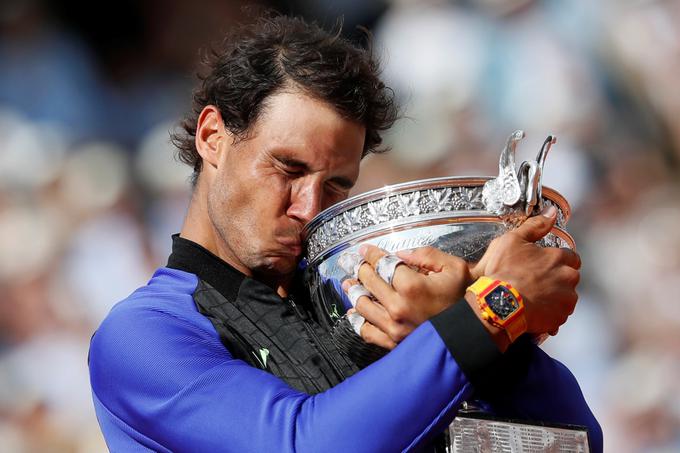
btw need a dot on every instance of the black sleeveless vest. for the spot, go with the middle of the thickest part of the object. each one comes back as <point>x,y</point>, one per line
<point>256,325</point>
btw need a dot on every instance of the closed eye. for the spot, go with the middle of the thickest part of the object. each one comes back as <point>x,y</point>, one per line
<point>342,184</point>
<point>293,171</point>
<point>338,188</point>
<point>292,167</point>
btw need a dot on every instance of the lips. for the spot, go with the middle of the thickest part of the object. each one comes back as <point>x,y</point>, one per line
<point>292,244</point>
<point>290,238</point>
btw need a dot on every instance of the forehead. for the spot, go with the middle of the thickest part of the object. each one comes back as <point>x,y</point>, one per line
<point>303,127</point>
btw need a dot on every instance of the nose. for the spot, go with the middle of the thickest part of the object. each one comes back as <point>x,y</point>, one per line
<point>305,201</point>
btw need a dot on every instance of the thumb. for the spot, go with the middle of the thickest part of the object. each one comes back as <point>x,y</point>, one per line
<point>534,228</point>
<point>429,258</point>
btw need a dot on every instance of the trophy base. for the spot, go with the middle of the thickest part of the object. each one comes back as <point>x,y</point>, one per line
<point>480,432</point>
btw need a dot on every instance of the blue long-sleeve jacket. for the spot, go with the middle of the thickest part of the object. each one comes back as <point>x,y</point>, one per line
<point>163,381</point>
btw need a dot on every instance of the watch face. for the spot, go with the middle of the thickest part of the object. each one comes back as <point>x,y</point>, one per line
<point>502,302</point>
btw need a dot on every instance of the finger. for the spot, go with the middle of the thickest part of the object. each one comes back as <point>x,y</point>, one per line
<point>387,296</point>
<point>569,277</point>
<point>374,313</point>
<point>372,256</point>
<point>571,258</point>
<point>348,283</point>
<point>534,228</point>
<point>428,258</point>
<point>355,320</point>
<point>368,275</point>
<point>382,290</point>
<point>371,253</point>
<point>436,263</point>
<point>567,300</point>
<point>355,291</point>
<point>371,334</point>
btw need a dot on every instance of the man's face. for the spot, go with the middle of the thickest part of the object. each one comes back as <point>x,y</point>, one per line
<point>300,158</point>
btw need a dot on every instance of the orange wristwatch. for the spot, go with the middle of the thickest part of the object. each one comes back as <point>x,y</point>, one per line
<point>501,305</point>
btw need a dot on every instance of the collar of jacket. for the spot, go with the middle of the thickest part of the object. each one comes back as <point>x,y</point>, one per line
<point>191,257</point>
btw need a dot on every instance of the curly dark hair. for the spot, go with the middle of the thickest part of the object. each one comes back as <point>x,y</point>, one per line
<point>273,53</point>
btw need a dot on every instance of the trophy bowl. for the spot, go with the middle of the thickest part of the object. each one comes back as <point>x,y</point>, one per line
<point>458,215</point>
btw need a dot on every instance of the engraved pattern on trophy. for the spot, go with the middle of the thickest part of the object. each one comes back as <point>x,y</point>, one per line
<point>408,204</point>
<point>378,211</point>
<point>439,200</point>
<point>404,206</point>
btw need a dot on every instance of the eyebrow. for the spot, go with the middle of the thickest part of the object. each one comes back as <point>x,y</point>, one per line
<point>343,182</point>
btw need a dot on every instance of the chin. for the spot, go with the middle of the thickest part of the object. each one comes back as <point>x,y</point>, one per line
<point>280,265</point>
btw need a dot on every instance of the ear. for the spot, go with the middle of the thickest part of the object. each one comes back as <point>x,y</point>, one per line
<point>209,133</point>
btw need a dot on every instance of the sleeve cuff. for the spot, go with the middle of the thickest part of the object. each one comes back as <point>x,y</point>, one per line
<point>476,353</point>
<point>467,340</point>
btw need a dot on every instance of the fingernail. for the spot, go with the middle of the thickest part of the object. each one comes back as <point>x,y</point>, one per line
<point>362,249</point>
<point>405,252</point>
<point>549,212</point>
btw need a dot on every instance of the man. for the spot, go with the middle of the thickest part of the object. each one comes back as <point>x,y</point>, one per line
<point>220,351</point>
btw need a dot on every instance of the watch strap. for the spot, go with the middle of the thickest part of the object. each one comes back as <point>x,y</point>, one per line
<point>482,286</point>
<point>517,327</point>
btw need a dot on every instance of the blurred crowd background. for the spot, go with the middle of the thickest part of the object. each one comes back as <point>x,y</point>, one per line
<point>90,191</point>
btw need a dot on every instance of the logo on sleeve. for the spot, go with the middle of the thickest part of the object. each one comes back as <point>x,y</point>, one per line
<point>264,353</point>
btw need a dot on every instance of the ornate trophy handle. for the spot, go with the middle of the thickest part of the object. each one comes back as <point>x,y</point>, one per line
<point>515,195</point>
<point>540,160</point>
<point>504,191</point>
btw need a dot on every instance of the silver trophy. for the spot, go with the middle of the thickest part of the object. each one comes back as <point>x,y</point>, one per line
<point>459,215</point>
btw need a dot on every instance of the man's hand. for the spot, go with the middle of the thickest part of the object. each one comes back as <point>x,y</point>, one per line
<point>414,296</point>
<point>545,277</point>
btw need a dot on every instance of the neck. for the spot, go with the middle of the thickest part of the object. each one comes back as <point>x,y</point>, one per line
<point>198,228</point>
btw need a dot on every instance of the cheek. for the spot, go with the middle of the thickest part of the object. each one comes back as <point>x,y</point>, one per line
<point>255,193</point>
<point>273,193</point>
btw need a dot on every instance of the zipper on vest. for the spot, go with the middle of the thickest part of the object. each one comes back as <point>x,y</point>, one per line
<point>310,331</point>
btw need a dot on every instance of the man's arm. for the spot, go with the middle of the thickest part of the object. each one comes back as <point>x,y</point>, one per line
<point>542,389</point>
<point>166,382</point>
<point>532,385</point>
<point>527,384</point>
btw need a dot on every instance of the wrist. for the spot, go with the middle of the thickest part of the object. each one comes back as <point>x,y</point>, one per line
<point>469,276</point>
<point>468,341</point>
<point>465,278</point>
<point>498,335</point>
<point>473,272</point>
